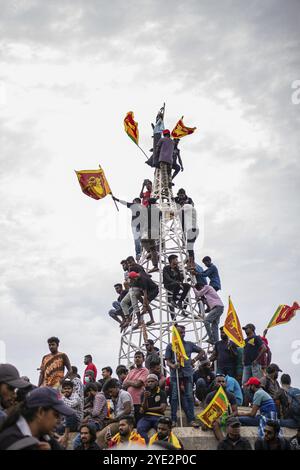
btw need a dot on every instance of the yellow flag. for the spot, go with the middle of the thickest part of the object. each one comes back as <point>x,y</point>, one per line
<point>215,409</point>
<point>232,326</point>
<point>177,347</point>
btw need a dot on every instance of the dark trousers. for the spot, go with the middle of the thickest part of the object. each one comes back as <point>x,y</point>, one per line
<point>174,292</point>
<point>137,414</point>
<point>145,424</point>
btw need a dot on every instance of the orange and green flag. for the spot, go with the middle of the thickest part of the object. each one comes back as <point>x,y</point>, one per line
<point>131,127</point>
<point>180,130</point>
<point>215,409</point>
<point>93,183</point>
<point>177,347</point>
<point>232,326</point>
<point>283,314</point>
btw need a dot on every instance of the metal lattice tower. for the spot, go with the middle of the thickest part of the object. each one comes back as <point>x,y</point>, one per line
<point>172,241</point>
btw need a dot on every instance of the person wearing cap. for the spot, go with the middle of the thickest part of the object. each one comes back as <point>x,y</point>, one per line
<point>153,406</point>
<point>271,439</point>
<point>10,380</point>
<point>164,157</point>
<point>164,434</point>
<point>262,402</point>
<point>149,291</point>
<point>152,352</point>
<point>215,310</point>
<point>146,195</point>
<point>176,156</point>
<point>135,382</point>
<point>29,425</point>
<point>150,231</point>
<point>233,439</point>
<point>253,350</point>
<point>53,365</point>
<point>181,199</point>
<point>136,208</point>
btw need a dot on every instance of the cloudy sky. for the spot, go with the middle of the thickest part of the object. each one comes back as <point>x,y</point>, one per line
<point>70,70</point>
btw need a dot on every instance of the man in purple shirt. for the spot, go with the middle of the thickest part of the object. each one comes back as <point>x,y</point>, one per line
<point>216,308</point>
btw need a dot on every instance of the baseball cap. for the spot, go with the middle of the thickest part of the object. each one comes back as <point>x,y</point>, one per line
<point>133,275</point>
<point>48,397</point>
<point>273,368</point>
<point>233,421</point>
<point>152,376</point>
<point>10,376</point>
<point>252,381</point>
<point>249,325</point>
<point>166,131</point>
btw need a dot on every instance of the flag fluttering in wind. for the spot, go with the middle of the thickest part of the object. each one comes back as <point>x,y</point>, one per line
<point>283,314</point>
<point>180,130</point>
<point>215,409</point>
<point>177,347</point>
<point>131,127</point>
<point>232,326</point>
<point>93,183</point>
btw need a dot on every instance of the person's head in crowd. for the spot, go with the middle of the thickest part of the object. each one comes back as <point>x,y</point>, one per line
<point>126,426</point>
<point>10,380</point>
<point>207,261</point>
<point>148,185</point>
<point>151,383</point>
<point>67,388</point>
<point>173,261</point>
<point>164,428</point>
<point>74,372</point>
<point>91,390</point>
<point>253,384</point>
<point>155,366</point>
<point>139,359</point>
<point>220,381</point>
<point>89,376</point>
<point>149,345</point>
<point>181,194</point>
<point>181,331</point>
<point>41,410</point>
<point>223,335</point>
<point>130,262</point>
<point>124,265</point>
<point>166,133</point>
<point>249,330</point>
<point>136,200</point>
<point>273,371</point>
<point>88,434</point>
<point>87,359</point>
<point>106,372</point>
<point>200,284</point>
<point>53,344</point>
<point>272,430</point>
<point>121,372</point>
<point>233,428</point>
<point>118,288</point>
<point>111,388</point>
<point>204,365</point>
<point>285,380</point>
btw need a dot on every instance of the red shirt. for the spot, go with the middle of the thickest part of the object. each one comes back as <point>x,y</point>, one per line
<point>146,197</point>
<point>92,367</point>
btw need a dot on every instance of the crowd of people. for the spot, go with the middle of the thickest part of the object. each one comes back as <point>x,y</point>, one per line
<point>92,413</point>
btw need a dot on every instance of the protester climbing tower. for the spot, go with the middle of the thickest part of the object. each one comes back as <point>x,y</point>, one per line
<point>172,241</point>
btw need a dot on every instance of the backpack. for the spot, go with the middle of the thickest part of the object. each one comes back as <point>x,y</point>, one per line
<point>294,399</point>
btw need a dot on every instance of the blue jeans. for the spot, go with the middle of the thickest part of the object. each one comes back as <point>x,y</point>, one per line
<point>145,424</point>
<point>289,423</point>
<point>138,247</point>
<point>116,311</point>
<point>211,323</point>
<point>187,399</point>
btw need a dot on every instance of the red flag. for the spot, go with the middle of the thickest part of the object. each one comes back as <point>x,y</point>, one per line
<point>283,314</point>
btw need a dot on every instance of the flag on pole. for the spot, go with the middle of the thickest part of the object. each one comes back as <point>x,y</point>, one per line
<point>232,326</point>
<point>283,314</point>
<point>215,409</point>
<point>131,127</point>
<point>180,130</point>
<point>93,183</point>
<point>177,347</point>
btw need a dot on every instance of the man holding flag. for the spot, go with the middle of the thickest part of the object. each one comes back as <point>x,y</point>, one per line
<point>178,358</point>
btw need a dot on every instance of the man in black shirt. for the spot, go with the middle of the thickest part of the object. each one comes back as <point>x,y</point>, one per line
<point>173,282</point>
<point>272,440</point>
<point>225,353</point>
<point>203,379</point>
<point>233,439</point>
<point>117,311</point>
<point>154,403</point>
<point>148,289</point>
<point>182,198</point>
<point>88,436</point>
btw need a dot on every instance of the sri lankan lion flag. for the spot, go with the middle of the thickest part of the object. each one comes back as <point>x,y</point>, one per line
<point>177,347</point>
<point>180,130</point>
<point>215,409</point>
<point>131,127</point>
<point>232,326</point>
<point>93,183</point>
<point>283,314</point>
